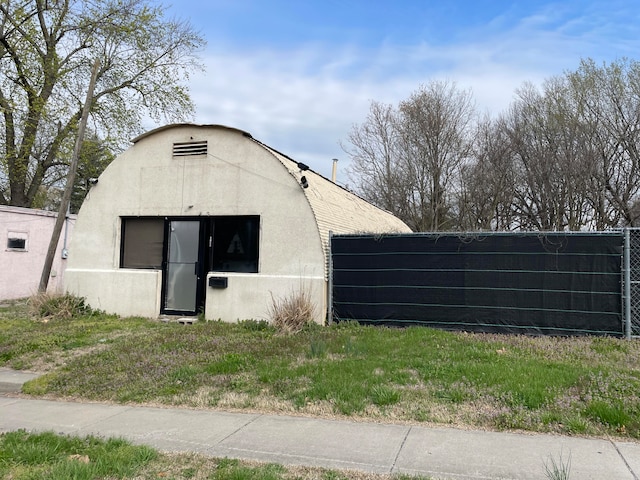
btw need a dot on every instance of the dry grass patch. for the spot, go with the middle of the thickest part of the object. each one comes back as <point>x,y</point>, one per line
<point>50,306</point>
<point>292,312</point>
<point>198,467</point>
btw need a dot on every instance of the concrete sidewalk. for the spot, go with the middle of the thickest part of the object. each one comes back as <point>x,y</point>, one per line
<point>443,453</point>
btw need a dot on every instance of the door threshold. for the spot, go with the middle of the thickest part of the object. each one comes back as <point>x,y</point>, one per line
<point>177,319</point>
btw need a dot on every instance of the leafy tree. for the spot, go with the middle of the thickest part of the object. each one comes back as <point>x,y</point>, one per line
<point>95,156</point>
<point>47,49</point>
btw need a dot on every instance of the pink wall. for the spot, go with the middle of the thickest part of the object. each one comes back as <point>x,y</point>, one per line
<point>20,270</point>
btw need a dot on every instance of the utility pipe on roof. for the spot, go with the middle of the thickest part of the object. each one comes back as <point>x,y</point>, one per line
<point>334,170</point>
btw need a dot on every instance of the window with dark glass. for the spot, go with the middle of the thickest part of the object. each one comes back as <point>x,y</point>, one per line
<point>235,244</point>
<point>232,243</point>
<point>142,243</point>
<point>14,243</point>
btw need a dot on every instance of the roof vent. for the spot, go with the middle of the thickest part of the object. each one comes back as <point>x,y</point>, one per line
<point>189,149</point>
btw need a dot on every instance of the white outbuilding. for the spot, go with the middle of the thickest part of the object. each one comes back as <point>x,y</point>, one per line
<point>206,219</point>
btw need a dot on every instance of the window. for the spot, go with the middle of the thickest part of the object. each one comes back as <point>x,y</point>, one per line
<point>235,244</point>
<point>231,245</point>
<point>17,241</point>
<point>142,243</point>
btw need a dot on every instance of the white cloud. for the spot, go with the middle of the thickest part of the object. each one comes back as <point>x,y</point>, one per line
<point>305,113</point>
<point>304,100</point>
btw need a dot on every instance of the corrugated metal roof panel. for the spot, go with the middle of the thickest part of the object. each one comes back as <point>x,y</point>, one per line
<point>338,210</point>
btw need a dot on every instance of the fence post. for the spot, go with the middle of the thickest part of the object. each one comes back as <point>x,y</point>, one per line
<point>627,282</point>
<point>330,284</point>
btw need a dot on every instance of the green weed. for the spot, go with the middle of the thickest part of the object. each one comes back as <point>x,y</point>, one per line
<point>317,348</point>
<point>557,470</point>
<point>612,415</point>
<point>564,385</point>
<point>229,363</point>
<point>256,325</point>
<point>47,455</point>
<point>382,395</point>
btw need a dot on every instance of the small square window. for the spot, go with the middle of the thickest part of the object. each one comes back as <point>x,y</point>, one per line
<point>17,241</point>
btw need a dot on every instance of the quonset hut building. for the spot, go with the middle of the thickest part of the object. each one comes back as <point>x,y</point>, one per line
<point>206,219</point>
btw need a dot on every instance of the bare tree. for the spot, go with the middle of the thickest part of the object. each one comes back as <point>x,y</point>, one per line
<point>551,168</point>
<point>435,124</point>
<point>375,168</point>
<point>610,95</point>
<point>406,159</point>
<point>564,156</point>
<point>486,197</point>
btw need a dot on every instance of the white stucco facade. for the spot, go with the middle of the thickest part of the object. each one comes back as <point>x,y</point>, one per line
<point>235,176</point>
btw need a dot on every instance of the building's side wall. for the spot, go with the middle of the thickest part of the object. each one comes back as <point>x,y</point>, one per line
<point>20,270</point>
<point>237,177</point>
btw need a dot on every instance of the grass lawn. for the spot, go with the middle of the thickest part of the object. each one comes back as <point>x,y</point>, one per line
<point>25,456</point>
<point>581,386</point>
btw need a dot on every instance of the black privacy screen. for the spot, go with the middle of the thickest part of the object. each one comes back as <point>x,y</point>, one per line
<point>534,283</point>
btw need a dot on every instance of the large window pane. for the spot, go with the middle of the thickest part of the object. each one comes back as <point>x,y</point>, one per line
<point>142,241</point>
<point>235,244</point>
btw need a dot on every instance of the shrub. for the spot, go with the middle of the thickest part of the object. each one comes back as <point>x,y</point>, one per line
<point>291,313</point>
<point>49,306</point>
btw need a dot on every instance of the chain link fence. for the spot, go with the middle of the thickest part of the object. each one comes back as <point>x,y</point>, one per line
<point>421,278</point>
<point>632,290</point>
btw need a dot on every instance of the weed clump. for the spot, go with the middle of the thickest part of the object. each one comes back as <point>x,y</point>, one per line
<point>47,306</point>
<point>557,470</point>
<point>292,313</point>
<point>253,325</point>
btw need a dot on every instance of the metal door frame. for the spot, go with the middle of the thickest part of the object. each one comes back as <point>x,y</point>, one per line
<point>201,268</point>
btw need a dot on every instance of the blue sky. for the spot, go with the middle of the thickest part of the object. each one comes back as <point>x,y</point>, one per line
<point>298,75</point>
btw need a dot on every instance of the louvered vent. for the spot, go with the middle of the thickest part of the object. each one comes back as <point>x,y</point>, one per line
<point>189,149</point>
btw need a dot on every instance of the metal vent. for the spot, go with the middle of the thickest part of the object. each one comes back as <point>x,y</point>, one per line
<point>188,149</point>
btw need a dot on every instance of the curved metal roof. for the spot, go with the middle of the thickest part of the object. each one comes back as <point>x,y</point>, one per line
<point>186,124</point>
